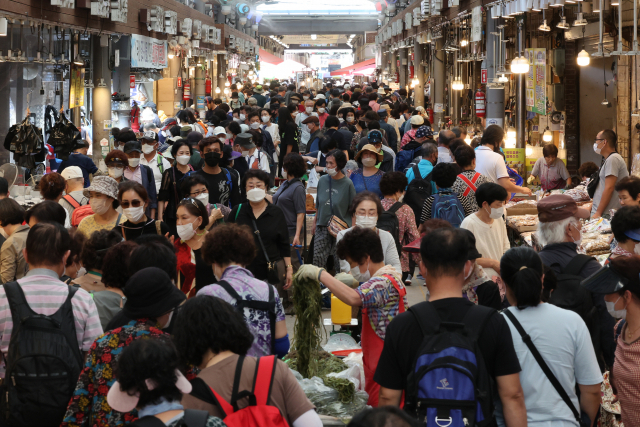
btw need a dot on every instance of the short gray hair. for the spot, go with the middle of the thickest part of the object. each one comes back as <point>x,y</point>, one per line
<point>428,149</point>
<point>252,101</point>
<point>554,232</point>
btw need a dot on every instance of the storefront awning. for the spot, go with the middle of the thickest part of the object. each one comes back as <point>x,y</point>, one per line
<point>355,68</point>
<point>269,57</point>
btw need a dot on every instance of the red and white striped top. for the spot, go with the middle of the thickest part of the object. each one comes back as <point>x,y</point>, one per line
<point>626,379</point>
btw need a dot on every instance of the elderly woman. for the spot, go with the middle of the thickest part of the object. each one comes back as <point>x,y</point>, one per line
<point>103,199</point>
<point>229,248</point>
<point>169,194</point>
<point>117,161</point>
<point>382,295</point>
<point>134,200</point>
<point>273,260</point>
<point>368,178</point>
<point>13,265</point>
<point>51,187</point>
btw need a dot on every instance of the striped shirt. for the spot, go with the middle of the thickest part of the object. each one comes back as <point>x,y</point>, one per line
<point>45,294</point>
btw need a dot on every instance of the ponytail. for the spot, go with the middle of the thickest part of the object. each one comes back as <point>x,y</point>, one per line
<point>521,270</point>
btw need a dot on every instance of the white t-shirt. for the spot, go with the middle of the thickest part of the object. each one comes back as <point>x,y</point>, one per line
<point>388,248</point>
<point>153,164</point>
<point>563,340</point>
<point>261,158</point>
<point>444,155</point>
<point>275,137</point>
<point>490,164</point>
<point>491,239</point>
<point>304,129</point>
<point>613,166</point>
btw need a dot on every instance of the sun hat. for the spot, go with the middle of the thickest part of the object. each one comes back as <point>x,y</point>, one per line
<point>150,294</point>
<point>370,148</point>
<point>103,185</point>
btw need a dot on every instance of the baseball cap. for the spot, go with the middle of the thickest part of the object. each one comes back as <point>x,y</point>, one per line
<point>149,135</point>
<point>382,113</point>
<point>558,207</point>
<point>311,119</point>
<point>319,96</point>
<point>132,146</point>
<point>72,172</point>
<point>424,132</point>
<point>417,120</point>
<point>219,131</point>
<point>245,140</point>
<point>374,136</point>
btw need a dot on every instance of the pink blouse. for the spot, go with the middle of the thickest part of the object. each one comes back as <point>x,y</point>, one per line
<point>408,230</point>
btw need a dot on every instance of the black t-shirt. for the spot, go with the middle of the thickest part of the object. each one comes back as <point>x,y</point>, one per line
<point>133,231</point>
<point>489,295</point>
<point>222,188</point>
<point>342,142</point>
<point>204,272</point>
<point>404,338</point>
<point>290,135</point>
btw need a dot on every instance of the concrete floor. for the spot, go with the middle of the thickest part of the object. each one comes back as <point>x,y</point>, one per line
<point>415,293</point>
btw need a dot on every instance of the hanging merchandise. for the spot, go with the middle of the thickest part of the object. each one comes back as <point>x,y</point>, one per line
<point>481,101</point>
<point>64,137</point>
<point>186,90</point>
<point>134,117</point>
<point>207,86</point>
<point>24,140</point>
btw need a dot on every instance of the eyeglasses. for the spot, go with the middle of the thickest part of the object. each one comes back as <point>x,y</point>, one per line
<point>134,204</point>
<point>597,139</point>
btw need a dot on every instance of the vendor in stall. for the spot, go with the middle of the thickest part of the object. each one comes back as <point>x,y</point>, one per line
<point>552,171</point>
<point>381,294</point>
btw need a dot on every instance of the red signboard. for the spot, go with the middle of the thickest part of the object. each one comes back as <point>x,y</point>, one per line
<point>412,56</point>
<point>411,72</point>
<point>187,91</point>
<point>483,76</point>
<point>398,63</point>
<point>179,81</point>
<point>132,81</point>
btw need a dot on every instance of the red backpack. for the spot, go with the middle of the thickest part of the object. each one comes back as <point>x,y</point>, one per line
<point>80,213</point>
<point>258,413</point>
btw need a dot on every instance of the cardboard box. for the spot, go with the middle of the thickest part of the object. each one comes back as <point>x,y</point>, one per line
<point>522,210</point>
<point>166,90</point>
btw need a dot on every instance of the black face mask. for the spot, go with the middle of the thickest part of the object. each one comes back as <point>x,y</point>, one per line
<point>212,159</point>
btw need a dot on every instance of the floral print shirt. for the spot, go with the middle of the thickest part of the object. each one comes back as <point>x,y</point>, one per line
<point>89,401</point>
<point>251,289</point>
<point>408,230</point>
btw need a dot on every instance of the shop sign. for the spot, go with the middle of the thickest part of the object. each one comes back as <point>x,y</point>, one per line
<point>132,82</point>
<point>76,87</point>
<point>536,87</point>
<point>200,102</point>
<point>187,91</point>
<point>177,105</point>
<point>438,108</point>
<point>483,76</point>
<point>476,24</point>
<point>497,122</point>
<point>412,56</point>
<point>410,72</point>
<point>179,82</point>
<point>147,52</point>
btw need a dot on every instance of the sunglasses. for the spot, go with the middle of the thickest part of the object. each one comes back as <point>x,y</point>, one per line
<point>134,204</point>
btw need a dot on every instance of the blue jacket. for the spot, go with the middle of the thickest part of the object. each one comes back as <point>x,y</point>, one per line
<point>149,184</point>
<point>85,164</point>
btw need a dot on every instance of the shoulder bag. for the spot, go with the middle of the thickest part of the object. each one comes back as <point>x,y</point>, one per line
<point>272,267</point>
<point>336,224</point>
<point>595,178</point>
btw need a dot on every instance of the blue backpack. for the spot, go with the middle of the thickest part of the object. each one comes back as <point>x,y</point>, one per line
<point>447,206</point>
<point>409,152</point>
<point>449,384</point>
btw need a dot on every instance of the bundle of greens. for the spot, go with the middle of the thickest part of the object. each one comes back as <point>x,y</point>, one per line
<point>326,364</point>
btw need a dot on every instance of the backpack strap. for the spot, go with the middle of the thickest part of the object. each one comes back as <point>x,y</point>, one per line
<point>543,365</point>
<point>416,172</point>
<point>73,202</point>
<point>238,212</point>
<point>265,371</point>
<point>426,316</point>
<point>619,329</point>
<point>158,227</point>
<point>200,390</point>
<point>195,418</point>
<point>394,208</point>
<point>476,319</point>
<point>160,165</point>
<point>576,265</point>
<point>470,183</point>
<point>148,421</point>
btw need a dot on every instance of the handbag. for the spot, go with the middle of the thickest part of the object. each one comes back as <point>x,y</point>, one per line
<point>336,224</point>
<point>64,137</point>
<point>543,365</point>
<point>272,267</point>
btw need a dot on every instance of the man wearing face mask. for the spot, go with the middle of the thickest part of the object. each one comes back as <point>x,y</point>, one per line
<point>559,230</point>
<point>79,158</point>
<point>223,189</point>
<point>315,134</point>
<point>152,158</point>
<point>488,227</point>
<point>304,129</point>
<point>382,295</point>
<point>254,156</point>
<point>612,169</point>
<point>141,174</point>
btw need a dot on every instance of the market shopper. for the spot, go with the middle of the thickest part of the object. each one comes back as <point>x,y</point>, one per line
<point>51,187</point>
<point>150,157</point>
<point>103,199</point>
<point>80,159</point>
<point>151,301</point>
<point>13,265</point>
<point>46,211</point>
<point>445,204</point>
<point>552,171</point>
<point>469,179</point>
<point>628,189</point>
<point>134,200</point>
<point>428,159</point>
<point>304,130</point>
<point>289,134</point>
<point>559,336</point>
<point>335,192</point>
<point>211,335</point>
<point>223,189</point>
<point>169,194</point>
<point>150,381</point>
<point>478,287</point>
<point>74,184</point>
<point>229,249</point>
<point>382,295</point>
<point>445,264</point>
<point>141,174</point>
<point>92,256</point>
<point>73,265</point>
<point>612,169</point>
<point>444,139</point>
<point>368,177</point>
<point>116,161</point>
<point>625,226</point>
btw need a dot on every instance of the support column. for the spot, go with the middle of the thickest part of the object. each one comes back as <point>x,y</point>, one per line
<point>403,68</point>
<point>521,101</point>
<point>393,60</point>
<point>222,71</point>
<point>199,88</point>
<point>101,96</point>
<point>174,73</point>
<point>438,76</point>
<point>418,70</point>
<point>495,97</point>
<point>121,77</point>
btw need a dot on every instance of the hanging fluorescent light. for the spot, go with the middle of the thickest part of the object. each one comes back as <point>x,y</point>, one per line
<point>583,58</point>
<point>313,36</point>
<point>457,85</point>
<point>3,27</point>
<point>580,21</point>
<point>563,24</point>
<point>78,60</point>
<point>520,65</point>
<point>544,26</point>
<point>503,79</point>
<point>217,90</point>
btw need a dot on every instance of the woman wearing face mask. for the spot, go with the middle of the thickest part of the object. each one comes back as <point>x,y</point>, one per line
<point>561,339</point>
<point>272,128</point>
<point>273,260</point>
<point>361,130</point>
<point>92,256</point>
<point>365,211</point>
<point>349,122</point>
<point>289,133</point>
<point>103,199</point>
<point>116,162</point>
<point>381,294</point>
<point>625,226</point>
<point>192,222</point>
<point>620,284</point>
<point>321,108</point>
<point>169,194</point>
<point>392,186</point>
<point>73,265</point>
<point>195,186</point>
<point>133,199</point>
<point>368,177</point>
<point>335,193</point>
<point>229,249</point>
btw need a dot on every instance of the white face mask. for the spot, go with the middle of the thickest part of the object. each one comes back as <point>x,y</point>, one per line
<point>284,174</point>
<point>134,162</point>
<point>245,154</point>
<point>134,214</point>
<point>256,195</point>
<point>616,314</point>
<point>305,97</point>
<point>183,160</point>
<point>361,277</point>
<point>340,119</point>
<point>321,110</point>
<point>579,241</point>
<point>147,149</point>
<point>115,172</point>
<point>636,249</point>
<point>309,110</point>
<point>265,119</point>
<point>368,162</point>
<point>401,198</point>
<point>466,276</point>
<point>99,206</point>
<point>332,171</point>
<point>186,231</point>
<point>349,119</point>
<point>595,148</point>
<point>254,125</point>
<point>242,117</point>
<point>204,198</point>
<point>366,221</point>
<point>496,213</point>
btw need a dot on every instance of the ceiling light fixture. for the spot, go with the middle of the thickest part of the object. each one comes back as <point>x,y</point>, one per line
<point>547,136</point>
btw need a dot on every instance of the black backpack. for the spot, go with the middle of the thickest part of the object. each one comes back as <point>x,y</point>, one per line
<point>192,418</point>
<point>417,192</point>
<point>388,221</point>
<point>42,365</point>
<point>571,295</point>
<point>449,384</point>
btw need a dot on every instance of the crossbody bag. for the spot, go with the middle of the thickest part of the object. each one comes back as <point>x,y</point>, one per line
<point>336,224</point>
